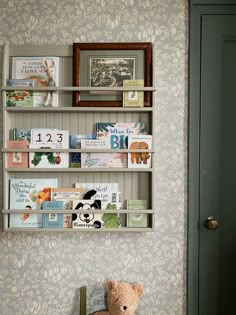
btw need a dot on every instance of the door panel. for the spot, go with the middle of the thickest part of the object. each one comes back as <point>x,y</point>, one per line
<point>217,248</point>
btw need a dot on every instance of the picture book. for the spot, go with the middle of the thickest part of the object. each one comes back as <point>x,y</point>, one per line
<point>116,134</point>
<point>21,134</point>
<point>36,68</point>
<point>88,219</point>
<point>107,192</point>
<point>92,299</point>
<point>29,194</point>
<point>19,98</point>
<point>75,143</point>
<point>53,220</point>
<point>100,159</point>
<point>67,195</point>
<point>138,219</point>
<point>133,98</point>
<point>139,159</point>
<point>17,159</point>
<point>49,138</point>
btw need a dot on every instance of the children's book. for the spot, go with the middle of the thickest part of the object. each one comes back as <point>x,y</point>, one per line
<point>116,134</point>
<point>35,68</point>
<point>67,195</point>
<point>106,192</point>
<point>139,159</point>
<point>17,159</point>
<point>75,143</point>
<point>53,220</point>
<point>100,159</point>
<point>138,219</point>
<point>49,139</point>
<point>88,220</point>
<point>29,194</point>
<point>92,299</point>
<point>19,98</point>
<point>133,98</point>
<point>21,134</point>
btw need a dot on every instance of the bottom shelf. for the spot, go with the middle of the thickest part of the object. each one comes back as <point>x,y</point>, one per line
<point>121,229</point>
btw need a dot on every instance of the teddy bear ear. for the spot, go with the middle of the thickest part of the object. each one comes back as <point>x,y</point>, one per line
<point>111,284</point>
<point>138,288</point>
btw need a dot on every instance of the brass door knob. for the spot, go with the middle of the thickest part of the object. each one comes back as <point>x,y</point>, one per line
<point>211,223</point>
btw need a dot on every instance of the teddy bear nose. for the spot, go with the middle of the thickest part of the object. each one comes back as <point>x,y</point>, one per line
<point>124,308</point>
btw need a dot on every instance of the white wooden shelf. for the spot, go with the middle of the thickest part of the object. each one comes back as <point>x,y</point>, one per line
<point>135,183</point>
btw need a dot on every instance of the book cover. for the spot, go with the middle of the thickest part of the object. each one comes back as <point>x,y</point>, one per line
<point>106,192</point>
<point>29,194</point>
<point>75,143</point>
<point>67,195</point>
<point>49,139</point>
<point>92,299</point>
<point>17,159</point>
<point>100,159</point>
<point>21,134</point>
<point>36,68</point>
<point>53,220</point>
<point>133,98</point>
<point>19,98</point>
<point>139,159</point>
<point>138,219</point>
<point>116,134</point>
<point>88,220</point>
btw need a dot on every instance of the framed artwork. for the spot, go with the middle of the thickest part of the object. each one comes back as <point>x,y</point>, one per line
<point>107,65</point>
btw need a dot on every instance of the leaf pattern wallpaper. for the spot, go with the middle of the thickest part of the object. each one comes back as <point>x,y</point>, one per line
<point>41,273</point>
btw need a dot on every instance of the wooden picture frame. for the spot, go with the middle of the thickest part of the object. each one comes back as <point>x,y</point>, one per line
<point>98,63</point>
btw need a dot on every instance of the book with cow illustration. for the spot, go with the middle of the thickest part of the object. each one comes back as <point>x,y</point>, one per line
<point>141,159</point>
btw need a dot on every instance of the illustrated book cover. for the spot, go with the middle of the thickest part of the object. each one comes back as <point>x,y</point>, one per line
<point>100,159</point>
<point>19,98</point>
<point>17,159</point>
<point>106,192</point>
<point>67,195</point>
<point>138,219</point>
<point>53,220</point>
<point>133,98</point>
<point>21,134</point>
<point>92,299</point>
<point>116,134</point>
<point>75,143</point>
<point>49,139</point>
<point>29,194</point>
<point>88,219</point>
<point>35,68</point>
<point>139,159</point>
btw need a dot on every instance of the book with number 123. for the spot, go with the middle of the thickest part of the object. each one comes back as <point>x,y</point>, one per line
<point>43,138</point>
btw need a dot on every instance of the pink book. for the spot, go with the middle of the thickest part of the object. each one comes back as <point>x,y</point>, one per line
<point>17,159</point>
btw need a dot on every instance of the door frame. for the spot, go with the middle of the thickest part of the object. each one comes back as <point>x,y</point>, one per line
<point>197,8</point>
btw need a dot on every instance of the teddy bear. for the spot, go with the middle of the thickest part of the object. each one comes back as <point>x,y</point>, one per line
<point>122,298</point>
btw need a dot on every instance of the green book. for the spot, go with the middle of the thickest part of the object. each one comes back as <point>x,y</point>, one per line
<point>92,299</point>
<point>137,219</point>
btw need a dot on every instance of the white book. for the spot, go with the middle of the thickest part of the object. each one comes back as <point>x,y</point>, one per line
<point>100,159</point>
<point>50,139</point>
<point>139,159</point>
<point>36,68</point>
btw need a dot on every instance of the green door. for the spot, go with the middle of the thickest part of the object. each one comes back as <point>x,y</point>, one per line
<point>214,285</point>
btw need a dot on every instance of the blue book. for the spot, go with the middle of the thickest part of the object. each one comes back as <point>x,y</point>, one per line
<point>75,143</point>
<point>53,220</point>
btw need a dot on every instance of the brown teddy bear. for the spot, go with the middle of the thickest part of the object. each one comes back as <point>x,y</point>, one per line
<point>122,298</point>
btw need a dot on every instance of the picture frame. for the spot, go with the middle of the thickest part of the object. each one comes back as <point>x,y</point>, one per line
<point>107,65</point>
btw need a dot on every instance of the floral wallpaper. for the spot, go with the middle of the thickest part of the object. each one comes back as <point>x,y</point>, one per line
<point>41,273</point>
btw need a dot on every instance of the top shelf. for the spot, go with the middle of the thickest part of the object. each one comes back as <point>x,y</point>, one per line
<point>75,88</point>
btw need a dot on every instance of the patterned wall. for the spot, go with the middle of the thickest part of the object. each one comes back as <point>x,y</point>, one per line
<point>42,272</point>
